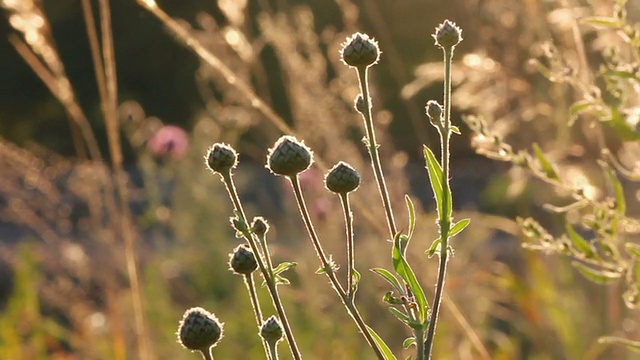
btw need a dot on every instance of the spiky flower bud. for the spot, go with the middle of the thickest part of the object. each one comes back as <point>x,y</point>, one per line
<point>289,157</point>
<point>242,260</point>
<point>199,330</point>
<point>434,112</point>
<point>360,51</point>
<point>221,158</point>
<point>448,34</point>
<point>260,226</point>
<point>342,178</point>
<point>271,330</point>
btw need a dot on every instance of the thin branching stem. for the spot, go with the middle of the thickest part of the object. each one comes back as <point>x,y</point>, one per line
<point>444,218</point>
<point>267,273</point>
<point>328,269</point>
<point>373,150</point>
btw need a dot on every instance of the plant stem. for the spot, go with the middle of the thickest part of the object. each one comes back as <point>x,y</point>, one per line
<point>419,334</point>
<point>267,273</point>
<point>444,217</point>
<point>251,288</point>
<point>373,150</point>
<point>207,354</point>
<point>328,270</point>
<point>348,222</point>
<point>273,350</point>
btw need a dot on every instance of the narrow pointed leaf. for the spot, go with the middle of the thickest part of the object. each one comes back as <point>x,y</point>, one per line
<point>384,348</point>
<point>408,342</point>
<point>545,164</point>
<point>458,227</point>
<point>356,279</point>
<point>454,129</point>
<point>412,215</point>
<point>387,275</point>
<point>400,315</point>
<point>282,267</point>
<point>435,248</point>
<point>609,22</point>
<point>595,275</point>
<point>580,243</point>
<point>391,300</point>
<point>435,177</point>
<point>633,250</point>
<point>403,269</point>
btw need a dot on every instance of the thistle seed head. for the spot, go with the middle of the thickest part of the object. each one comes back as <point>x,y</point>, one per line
<point>221,158</point>
<point>199,330</point>
<point>360,51</point>
<point>448,34</point>
<point>342,178</point>
<point>271,330</point>
<point>242,260</point>
<point>289,157</point>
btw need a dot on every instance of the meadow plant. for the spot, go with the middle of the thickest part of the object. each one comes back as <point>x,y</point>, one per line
<point>289,157</point>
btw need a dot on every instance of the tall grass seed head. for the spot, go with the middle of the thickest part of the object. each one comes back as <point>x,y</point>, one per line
<point>271,330</point>
<point>199,330</point>
<point>342,178</point>
<point>260,226</point>
<point>360,51</point>
<point>289,157</point>
<point>448,34</point>
<point>221,158</point>
<point>242,260</point>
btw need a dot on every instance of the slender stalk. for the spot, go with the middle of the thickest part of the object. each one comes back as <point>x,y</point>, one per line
<point>348,222</point>
<point>273,350</point>
<point>251,288</point>
<point>419,335</point>
<point>207,354</point>
<point>373,150</point>
<point>346,300</point>
<point>444,218</point>
<point>267,273</point>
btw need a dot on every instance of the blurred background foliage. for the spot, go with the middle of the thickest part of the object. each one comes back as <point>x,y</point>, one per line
<point>65,291</point>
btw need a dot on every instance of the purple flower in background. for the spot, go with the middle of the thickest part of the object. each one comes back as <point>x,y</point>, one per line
<point>169,140</point>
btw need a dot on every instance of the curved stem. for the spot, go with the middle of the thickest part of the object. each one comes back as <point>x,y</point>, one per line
<point>373,151</point>
<point>267,273</point>
<point>328,270</point>
<point>444,217</point>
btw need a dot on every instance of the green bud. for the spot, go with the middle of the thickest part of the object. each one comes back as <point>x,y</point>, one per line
<point>271,330</point>
<point>289,157</point>
<point>360,51</point>
<point>221,158</point>
<point>434,112</point>
<point>242,260</point>
<point>342,178</point>
<point>448,34</point>
<point>199,330</point>
<point>260,226</point>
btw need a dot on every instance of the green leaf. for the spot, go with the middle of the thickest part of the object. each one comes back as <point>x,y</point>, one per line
<point>435,248</point>
<point>400,315</point>
<point>391,300</point>
<point>412,215</point>
<point>579,243</point>
<point>578,108</point>
<point>633,250</point>
<point>547,167</point>
<point>355,275</point>
<point>435,177</point>
<point>595,275</point>
<point>384,348</point>
<point>281,280</point>
<point>282,267</point>
<point>618,190</point>
<point>621,127</point>
<point>411,340</point>
<point>403,269</point>
<point>458,227</point>
<point>387,275</point>
<point>605,21</point>
<point>454,129</point>
<point>630,344</point>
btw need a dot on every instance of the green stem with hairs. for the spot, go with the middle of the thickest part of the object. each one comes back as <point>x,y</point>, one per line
<point>351,268</point>
<point>328,270</point>
<point>267,272</point>
<point>444,218</point>
<point>253,294</point>
<point>373,150</point>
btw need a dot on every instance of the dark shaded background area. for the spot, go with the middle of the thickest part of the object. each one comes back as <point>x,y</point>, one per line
<point>158,72</point>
